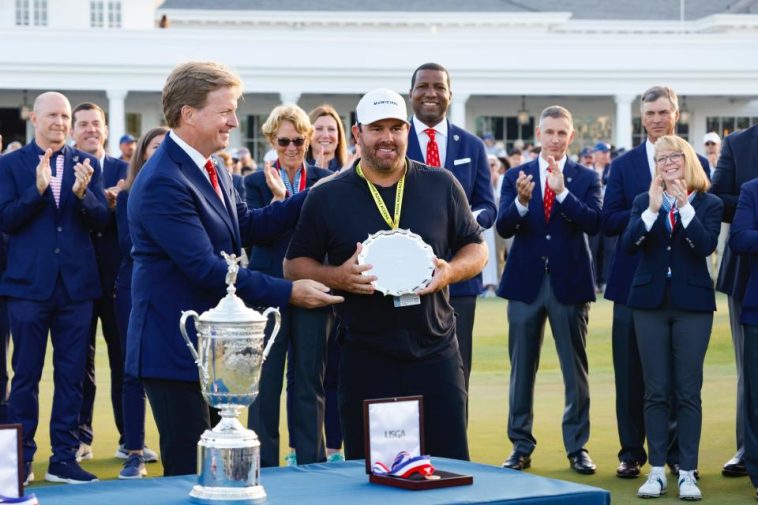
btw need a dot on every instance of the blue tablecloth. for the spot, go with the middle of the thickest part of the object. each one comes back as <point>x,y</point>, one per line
<point>341,483</point>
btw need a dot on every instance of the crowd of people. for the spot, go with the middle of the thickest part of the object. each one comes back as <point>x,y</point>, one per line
<point>127,244</point>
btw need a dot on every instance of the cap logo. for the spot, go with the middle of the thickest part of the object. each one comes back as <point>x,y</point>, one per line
<point>389,102</point>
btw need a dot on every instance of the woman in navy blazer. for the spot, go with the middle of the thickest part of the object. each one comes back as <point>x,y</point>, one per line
<point>675,227</point>
<point>133,394</point>
<point>289,131</point>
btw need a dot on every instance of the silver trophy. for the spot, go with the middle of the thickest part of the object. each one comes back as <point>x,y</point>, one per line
<point>229,355</point>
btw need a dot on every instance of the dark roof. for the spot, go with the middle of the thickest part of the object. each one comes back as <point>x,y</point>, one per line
<point>663,10</point>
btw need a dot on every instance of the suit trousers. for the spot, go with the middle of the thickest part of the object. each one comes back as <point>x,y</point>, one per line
<point>182,415</point>
<point>103,310</point>
<point>672,344</point>
<point>366,374</point>
<point>526,329</point>
<point>630,386</point>
<point>4,338</point>
<point>67,322</point>
<point>738,339</point>
<point>750,404</point>
<point>465,309</point>
<point>133,393</point>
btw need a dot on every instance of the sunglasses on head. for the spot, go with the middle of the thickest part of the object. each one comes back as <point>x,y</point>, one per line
<point>284,142</point>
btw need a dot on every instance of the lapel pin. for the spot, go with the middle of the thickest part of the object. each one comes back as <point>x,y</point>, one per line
<point>568,179</point>
<point>456,138</point>
<point>76,158</point>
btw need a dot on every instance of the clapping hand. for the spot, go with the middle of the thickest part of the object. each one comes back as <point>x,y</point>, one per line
<point>656,194</point>
<point>112,193</point>
<point>83,173</point>
<point>44,173</point>
<point>275,183</point>
<point>554,176</point>
<point>679,187</point>
<point>524,187</point>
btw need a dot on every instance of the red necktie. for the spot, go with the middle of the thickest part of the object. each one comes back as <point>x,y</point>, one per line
<point>432,149</point>
<point>548,200</point>
<point>213,176</point>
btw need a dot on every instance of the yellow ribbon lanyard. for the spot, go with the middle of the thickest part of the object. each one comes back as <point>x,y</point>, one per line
<point>393,223</point>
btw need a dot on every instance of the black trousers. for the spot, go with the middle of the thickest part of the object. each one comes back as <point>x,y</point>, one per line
<point>181,415</point>
<point>364,374</point>
<point>104,310</point>
<point>465,308</point>
<point>672,345</point>
<point>750,401</point>
<point>630,387</point>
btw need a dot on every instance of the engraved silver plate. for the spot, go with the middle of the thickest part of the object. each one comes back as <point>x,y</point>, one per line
<point>402,262</point>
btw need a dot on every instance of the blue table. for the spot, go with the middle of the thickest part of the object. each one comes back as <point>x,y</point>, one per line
<point>341,483</point>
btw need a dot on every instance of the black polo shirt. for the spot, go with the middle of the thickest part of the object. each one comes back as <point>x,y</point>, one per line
<point>338,214</point>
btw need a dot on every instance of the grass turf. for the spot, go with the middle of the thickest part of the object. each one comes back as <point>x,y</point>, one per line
<point>488,407</point>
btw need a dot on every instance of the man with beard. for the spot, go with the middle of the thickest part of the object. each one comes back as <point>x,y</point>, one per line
<point>437,142</point>
<point>390,349</point>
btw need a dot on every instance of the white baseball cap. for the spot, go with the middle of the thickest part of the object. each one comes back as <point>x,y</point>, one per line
<point>712,137</point>
<point>381,103</point>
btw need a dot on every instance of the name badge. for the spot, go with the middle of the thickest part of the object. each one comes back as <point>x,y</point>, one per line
<point>462,161</point>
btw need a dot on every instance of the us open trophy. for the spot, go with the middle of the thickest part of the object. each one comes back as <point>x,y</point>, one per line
<point>229,355</point>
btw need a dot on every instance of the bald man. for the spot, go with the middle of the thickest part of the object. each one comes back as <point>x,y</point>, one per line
<point>51,197</point>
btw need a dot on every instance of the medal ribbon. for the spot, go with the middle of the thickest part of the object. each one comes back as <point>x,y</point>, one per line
<point>392,222</point>
<point>404,466</point>
<point>300,179</point>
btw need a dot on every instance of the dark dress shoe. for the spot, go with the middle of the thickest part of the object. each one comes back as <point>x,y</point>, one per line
<point>674,469</point>
<point>628,470</point>
<point>518,461</point>
<point>581,462</point>
<point>735,467</point>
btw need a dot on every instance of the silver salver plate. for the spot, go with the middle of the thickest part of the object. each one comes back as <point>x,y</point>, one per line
<point>402,262</point>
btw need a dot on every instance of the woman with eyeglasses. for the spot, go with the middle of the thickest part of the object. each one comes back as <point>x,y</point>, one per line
<point>289,131</point>
<point>674,227</point>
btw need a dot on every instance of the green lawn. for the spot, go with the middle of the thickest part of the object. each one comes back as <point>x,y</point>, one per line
<point>488,406</point>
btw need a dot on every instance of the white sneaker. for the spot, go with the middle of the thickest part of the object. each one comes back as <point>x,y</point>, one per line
<point>148,454</point>
<point>655,485</point>
<point>688,489</point>
<point>84,452</point>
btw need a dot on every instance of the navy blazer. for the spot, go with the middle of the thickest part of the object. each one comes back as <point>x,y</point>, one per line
<point>45,241</point>
<point>268,257</point>
<point>738,163</point>
<point>124,275</point>
<point>685,251</point>
<point>744,242</point>
<point>629,177</point>
<point>559,245</point>
<point>239,185</point>
<point>106,241</point>
<point>466,158</point>
<point>179,227</point>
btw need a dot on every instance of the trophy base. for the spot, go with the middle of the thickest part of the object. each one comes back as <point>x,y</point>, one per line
<point>205,494</point>
<point>228,464</point>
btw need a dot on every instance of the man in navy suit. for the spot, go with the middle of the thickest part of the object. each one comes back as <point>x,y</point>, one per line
<point>630,175</point>
<point>547,205</point>
<point>744,242</point>
<point>435,141</point>
<point>51,198</point>
<point>736,165</point>
<point>183,212</point>
<point>4,337</point>
<point>90,132</point>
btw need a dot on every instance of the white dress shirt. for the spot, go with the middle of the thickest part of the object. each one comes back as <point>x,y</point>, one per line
<point>440,136</point>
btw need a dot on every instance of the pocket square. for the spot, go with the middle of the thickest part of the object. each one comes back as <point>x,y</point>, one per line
<point>462,161</point>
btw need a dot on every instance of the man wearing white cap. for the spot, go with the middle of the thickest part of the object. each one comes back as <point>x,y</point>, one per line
<point>393,346</point>
<point>712,144</point>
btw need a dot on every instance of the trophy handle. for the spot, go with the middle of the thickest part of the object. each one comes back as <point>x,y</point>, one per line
<point>277,324</point>
<point>183,328</point>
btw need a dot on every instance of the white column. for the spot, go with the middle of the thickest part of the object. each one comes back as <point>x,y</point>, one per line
<point>116,118</point>
<point>457,112</point>
<point>623,121</point>
<point>291,97</point>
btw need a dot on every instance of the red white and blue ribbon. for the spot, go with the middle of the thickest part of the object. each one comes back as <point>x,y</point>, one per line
<point>405,465</point>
